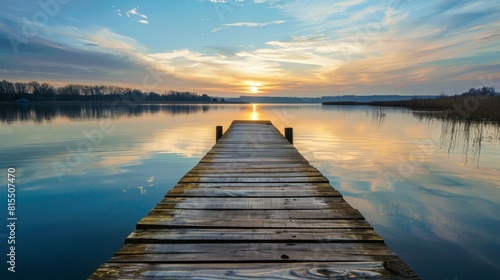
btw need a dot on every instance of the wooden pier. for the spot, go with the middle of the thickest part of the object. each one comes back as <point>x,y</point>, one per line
<point>254,208</point>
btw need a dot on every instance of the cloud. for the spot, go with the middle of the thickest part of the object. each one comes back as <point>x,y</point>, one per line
<point>238,3</point>
<point>302,60</point>
<point>272,2</point>
<point>134,12</point>
<point>367,48</point>
<point>248,24</point>
<point>255,24</point>
<point>319,10</point>
<point>61,53</point>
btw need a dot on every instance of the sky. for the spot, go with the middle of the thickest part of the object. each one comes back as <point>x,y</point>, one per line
<point>266,47</point>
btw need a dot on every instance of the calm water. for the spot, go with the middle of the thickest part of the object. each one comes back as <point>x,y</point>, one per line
<point>430,188</point>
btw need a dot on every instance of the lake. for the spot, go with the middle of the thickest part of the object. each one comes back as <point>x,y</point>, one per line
<point>429,187</point>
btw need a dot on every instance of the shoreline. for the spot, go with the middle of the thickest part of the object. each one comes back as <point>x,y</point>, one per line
<point>109,102</point>
<point>466,107</point>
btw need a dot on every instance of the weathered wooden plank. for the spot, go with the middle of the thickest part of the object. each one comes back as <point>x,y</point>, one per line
<point>263,171</point>
<point>236,271</point>
<point>243,206</point>
<point>172,222</point>
<point>284,186</point>
<point>253,190</point>
<point>254,142</point>
<point>319,214</point>
<point>248,256</point>
<point>235,134</point>
<point>208,174</point>
<point>239,151</point>
<point>258,131</point>
<point>227,147</point>
<point>249,129</point>
<point>252,252</point>
<point>263,205</point>
<point>204,235</point>
<point>219,251</point>
<point>180,191</point>
<point>250,125</point>
<point>251,122</point>
<point>246,157</point>
<point>253,200</point>
<point>263,133</point>
<point>255,203</point>
<point>254,164</point>
<point>255,159</point>
<point>253,154</point>
<point>228,179</point>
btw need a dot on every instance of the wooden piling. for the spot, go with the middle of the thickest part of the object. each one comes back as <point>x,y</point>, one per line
<point>218,133</point>
<point>253,207</point>
<point>289,134</point>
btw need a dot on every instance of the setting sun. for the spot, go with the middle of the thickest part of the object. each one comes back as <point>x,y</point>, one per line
<point>254,87</point>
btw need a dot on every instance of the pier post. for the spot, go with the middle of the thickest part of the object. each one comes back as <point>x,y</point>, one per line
<point>289,134</point>
<point>218,132</point>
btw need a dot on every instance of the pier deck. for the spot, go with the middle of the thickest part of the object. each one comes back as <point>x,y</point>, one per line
<point>253,208</point>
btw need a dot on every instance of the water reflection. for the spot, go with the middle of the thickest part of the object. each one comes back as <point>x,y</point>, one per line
<point>403,174</point>
<point>438,214</point>
<point>451,134</point>
<point>143,189</point>
<point>468,136</point>
<point>378,116</point>
<point>255,115</point>
<point>46,112</point>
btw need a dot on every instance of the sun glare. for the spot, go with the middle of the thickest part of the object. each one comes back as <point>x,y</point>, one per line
<point>253,87</point>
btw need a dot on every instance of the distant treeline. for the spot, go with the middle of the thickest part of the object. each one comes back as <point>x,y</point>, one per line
<point>35,91</point>
<point>474,104</point>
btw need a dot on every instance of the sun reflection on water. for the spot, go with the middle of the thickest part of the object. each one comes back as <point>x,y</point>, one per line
<point>254,116</point>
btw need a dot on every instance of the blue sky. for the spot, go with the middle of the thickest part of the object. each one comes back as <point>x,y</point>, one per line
<point>269,47</point>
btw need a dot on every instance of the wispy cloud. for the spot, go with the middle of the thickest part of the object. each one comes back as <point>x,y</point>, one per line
<point>317,10</point>
<point>135,12</point>
<point>248,24</point>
